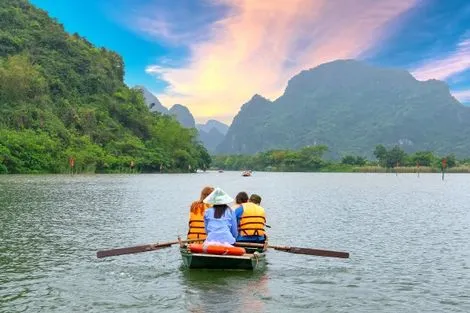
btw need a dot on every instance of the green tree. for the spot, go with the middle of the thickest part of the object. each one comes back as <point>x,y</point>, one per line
<point>396,156</point>
<point>204,159</point>
<point>20,80</point>
<point>381,154</point>
<point>450,161</point>
<point>389,158</point>
<point>423,158</point>
<point>60,96</point>
<point>353,160</point>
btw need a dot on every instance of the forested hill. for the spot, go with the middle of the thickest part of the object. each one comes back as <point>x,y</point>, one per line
<point>61,97</point>
<point>351,107</point>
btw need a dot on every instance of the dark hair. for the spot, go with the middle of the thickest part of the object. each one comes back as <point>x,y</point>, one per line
<point>219,210</point>
<point>242,197</point>
<point>255,199</point>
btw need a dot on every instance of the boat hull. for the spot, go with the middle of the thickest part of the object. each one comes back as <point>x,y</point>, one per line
<point>246,173</point>
<point>248,261</point>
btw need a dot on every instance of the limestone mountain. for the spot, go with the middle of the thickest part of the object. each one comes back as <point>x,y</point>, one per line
<point>210,134</point>
<point>180,112</point>
<point>153,103</point>
<point>251,118</point>
<point>210,124</point>
<point>211,139</point>
<point>182,115</point>
<point>351,107</point>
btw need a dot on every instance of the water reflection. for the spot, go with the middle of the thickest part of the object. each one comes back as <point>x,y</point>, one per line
<point>225,290</point>
<point>51,227</point>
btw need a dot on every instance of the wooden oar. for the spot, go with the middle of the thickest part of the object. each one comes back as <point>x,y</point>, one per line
<point>142,248</point>
<point>297,250</point>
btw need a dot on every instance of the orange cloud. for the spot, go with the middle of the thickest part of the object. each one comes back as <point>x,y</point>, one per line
<point>259,45</point>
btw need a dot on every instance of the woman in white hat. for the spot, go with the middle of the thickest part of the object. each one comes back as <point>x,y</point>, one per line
<point>219,220</point>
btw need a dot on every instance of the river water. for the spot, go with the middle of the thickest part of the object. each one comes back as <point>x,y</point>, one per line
<point>408,236</point>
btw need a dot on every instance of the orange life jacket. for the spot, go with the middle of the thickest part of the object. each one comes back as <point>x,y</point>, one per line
<point>196,223</point>
<point>252,221</point>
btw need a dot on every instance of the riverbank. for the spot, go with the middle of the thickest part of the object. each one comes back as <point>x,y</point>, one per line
<point>404,169</point>
<point>342,168</point>
<point>335,168</point>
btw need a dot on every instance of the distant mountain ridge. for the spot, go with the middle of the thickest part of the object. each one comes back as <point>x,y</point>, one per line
<point>153,103</point>
<point>179,111</point>
<point>211,139</point>
<point>351,107</point>
<point>210,124</point>
<point>211,133</point>
<point>183,115</point>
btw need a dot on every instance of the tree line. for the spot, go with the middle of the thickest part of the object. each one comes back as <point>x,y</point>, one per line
<point>311,159</point>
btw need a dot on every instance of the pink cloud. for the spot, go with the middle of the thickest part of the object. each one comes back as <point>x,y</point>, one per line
<point>174,22</point>
<point>445,67</point>
<point>259,45</point>
<point>462,95</point>
<point>156,27</point>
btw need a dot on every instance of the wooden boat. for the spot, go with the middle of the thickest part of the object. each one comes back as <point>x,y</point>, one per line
<point>253,259</point>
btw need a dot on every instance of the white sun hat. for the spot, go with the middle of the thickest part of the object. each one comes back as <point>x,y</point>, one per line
<point>218,196</point>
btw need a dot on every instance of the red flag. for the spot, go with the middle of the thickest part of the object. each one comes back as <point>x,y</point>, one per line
<point>444,163</point>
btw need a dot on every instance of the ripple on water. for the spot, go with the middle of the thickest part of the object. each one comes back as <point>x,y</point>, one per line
<point>408,240</point>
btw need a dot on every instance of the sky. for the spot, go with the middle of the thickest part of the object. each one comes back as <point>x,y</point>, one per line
<point>214,55</point>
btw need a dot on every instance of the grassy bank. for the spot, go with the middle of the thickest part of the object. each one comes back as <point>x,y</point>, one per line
<point>343,168</point>
<point>406,169</point>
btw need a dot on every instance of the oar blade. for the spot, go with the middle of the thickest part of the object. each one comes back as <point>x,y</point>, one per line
<point>316,252</point>
<point>130,250</point>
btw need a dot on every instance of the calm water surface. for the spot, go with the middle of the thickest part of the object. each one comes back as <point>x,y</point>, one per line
<point>409,240</point>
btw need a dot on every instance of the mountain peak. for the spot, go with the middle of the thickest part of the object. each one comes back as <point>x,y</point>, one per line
<point>213,124</point>
<point>257,97</point>
<point>183,115</point>
<point>152,102</point>
<point>347,74</point>
<point>256,101</point>
<point>351,107</point>
<point>178,106</point>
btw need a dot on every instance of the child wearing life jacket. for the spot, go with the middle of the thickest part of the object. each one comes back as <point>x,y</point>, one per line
<point>196,215</point>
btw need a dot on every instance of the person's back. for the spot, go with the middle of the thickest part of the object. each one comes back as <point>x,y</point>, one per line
<point>251,220</point>
<point>196,216</point>
<point>221,229</point>
<point>219,220</point>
